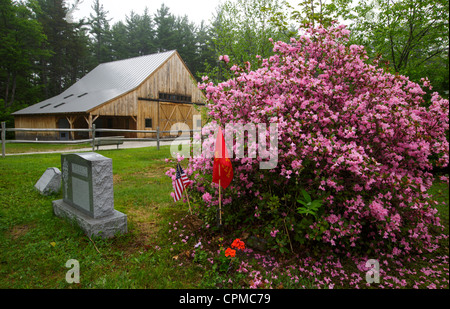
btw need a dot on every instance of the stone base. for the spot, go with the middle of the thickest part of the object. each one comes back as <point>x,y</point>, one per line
<point>106,227</point>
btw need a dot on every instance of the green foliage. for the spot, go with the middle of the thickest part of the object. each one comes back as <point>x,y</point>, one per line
<point>410,36</point>
<point>287,219</point>
<point>309,207</point>
<point>100,30</point>
<point>67,44</point>
<point>21,37</point>
<point>241,29</point>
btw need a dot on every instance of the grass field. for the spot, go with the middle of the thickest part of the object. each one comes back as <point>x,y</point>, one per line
<point>16,148</point>
<point>158,251</point>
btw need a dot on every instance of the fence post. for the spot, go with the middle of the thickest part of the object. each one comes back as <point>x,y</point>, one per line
<point>157,138</point>
<point>93,137</point>
<point>3,138</point>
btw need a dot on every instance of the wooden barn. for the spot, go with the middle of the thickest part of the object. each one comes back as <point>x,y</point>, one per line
<point>141,93</point>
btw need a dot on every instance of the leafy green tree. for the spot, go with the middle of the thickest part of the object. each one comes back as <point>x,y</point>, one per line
<point>288,19</point>
<point>21,37</point>
<point>410,35</point>
<point>242,29</point>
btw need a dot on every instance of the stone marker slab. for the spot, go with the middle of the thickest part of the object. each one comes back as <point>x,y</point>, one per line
<point>88,195</point>
<point>105,227</point>
<point>50,181</point>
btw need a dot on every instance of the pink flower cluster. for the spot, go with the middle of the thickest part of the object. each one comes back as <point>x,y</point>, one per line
<point>348,131</point>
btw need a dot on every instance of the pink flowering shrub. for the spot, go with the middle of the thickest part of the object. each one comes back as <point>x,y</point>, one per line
<point>352,136</point>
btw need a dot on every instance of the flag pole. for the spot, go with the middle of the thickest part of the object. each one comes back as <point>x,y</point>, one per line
<point>187,196</point>
<point>220,201</point>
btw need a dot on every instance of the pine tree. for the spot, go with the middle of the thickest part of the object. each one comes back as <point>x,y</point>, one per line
<point>101,32</point>
<point>120,47</point>
<point>165,29</point>
<point>21,37</point>
<point>66,43</point>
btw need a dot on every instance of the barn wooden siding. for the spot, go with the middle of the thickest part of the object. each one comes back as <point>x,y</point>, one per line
<point>36,122</point>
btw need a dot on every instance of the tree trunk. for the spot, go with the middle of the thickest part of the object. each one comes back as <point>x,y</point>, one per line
<point>5,103</point>
<point>13,90</point>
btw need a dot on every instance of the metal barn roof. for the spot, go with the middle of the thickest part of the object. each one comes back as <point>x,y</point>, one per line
<point>106,82</point>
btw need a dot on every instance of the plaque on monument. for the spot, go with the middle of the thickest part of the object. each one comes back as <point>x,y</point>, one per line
<point>88,194</point>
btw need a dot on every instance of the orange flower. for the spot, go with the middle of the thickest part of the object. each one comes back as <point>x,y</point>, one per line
<point>238,244</point>
<point>230,252</point>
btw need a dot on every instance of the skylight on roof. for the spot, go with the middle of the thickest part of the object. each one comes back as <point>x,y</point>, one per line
<point>46,105</point>
<point>61,104</point>
<point>71,95</point>
<point>82,95</point>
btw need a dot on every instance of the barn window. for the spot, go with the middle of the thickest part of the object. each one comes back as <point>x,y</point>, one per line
<point>174,97</point>
<point>148,123</point>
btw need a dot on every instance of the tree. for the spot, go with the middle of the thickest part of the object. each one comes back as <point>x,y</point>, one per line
<point>186,41</point>
<point>204,54</point>
<point>166,36</point>
<point>242,29</point>
<point>289,19</point>
<point>410,35</point>
<point>64,42</point>
<point>120,47</point>
<point>101,32</point>
<point>140,34</point>
<point>21,38</point>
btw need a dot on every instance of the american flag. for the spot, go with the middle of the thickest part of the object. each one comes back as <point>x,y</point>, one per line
<point>180,183</point>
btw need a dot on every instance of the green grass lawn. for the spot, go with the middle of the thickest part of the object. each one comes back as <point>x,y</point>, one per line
<point>157,251</point>
<point>15,148</point>
<point>35,245</point>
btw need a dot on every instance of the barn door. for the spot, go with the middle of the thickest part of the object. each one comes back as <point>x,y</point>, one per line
<point>172,113</point>
<point>63,123</point>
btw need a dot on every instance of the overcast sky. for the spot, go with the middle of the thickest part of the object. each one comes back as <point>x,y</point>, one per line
<point>196,10</point>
